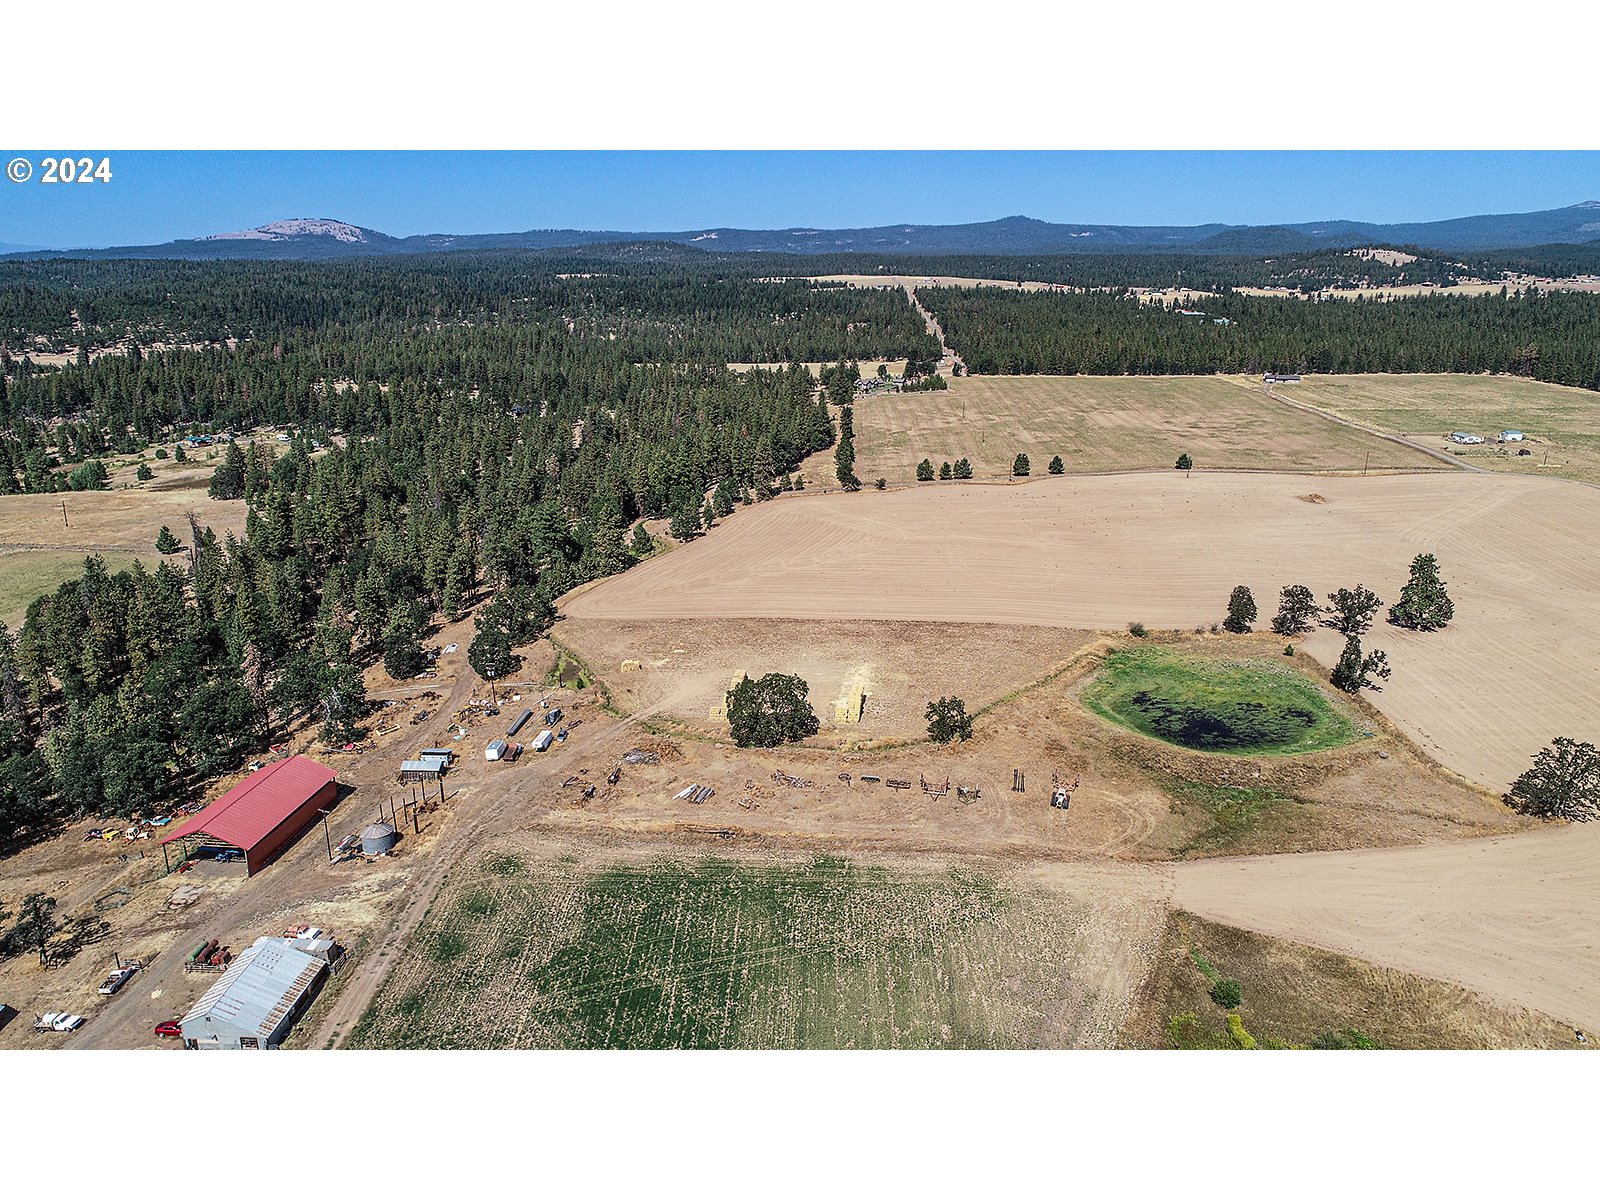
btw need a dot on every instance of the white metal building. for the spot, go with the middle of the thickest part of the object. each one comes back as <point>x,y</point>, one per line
<point>255,1003</point>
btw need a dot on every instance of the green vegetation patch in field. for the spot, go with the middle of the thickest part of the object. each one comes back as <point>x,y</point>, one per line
<point>714,953</point>
<point>1222,707</point>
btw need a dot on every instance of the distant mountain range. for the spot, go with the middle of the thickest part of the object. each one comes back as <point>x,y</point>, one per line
<point>322,238</point>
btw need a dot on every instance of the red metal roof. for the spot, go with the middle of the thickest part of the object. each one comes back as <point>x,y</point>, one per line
<point>245,814</point>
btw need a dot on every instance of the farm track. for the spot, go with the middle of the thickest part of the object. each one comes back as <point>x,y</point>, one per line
<point>467,832</point>
<point>1430,451</point>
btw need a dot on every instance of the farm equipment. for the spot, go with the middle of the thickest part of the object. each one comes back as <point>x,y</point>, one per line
<point>790,780</point>
<point>871,778</point>
<point>616,774</point>
<point>900,785</point>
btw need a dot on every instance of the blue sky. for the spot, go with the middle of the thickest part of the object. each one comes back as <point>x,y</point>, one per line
<point>155,197</point>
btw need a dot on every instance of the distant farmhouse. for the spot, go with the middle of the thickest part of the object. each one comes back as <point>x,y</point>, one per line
<point>1466,439</point>
<point>1271,378</point>
<point>1511,435</point>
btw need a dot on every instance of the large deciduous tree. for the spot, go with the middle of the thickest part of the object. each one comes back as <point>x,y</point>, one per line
<point>770,711</point>
<point>1564,782</point>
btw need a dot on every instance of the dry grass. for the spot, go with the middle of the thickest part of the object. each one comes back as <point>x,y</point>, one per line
<point>1515,668</point>
<point>1294,994</point>
<point>1562,424</point>
<point>1107,423</point>
<point>39,551</point>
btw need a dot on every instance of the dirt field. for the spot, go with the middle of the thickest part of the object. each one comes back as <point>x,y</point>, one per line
<point>38,552</point>
<point>1295,996</point>
<point>685,667</point>
<point>1513,918</point>
<point>1107,423</point>
<point>759,950</point>
<point>1562,424</point>
<point>1518,666</point>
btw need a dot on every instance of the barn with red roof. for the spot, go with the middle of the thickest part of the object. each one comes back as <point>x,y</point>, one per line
<point>262,814</point>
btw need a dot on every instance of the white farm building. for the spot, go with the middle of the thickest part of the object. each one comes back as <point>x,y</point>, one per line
<point>1466,439</point>
<point>255,1003</point>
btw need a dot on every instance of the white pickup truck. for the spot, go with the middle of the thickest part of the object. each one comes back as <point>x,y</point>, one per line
<point>116,979</point>
<point>59,1022</point>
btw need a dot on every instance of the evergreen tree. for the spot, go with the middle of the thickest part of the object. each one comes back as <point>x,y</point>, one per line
<point>166,543</point>
<point>227,481</point>
<point>1057,467</point>
<point>1424,603</point>
<point>924,471</point>
<point>962,469</point>
<point>1241,611</point>
<point>685,525</point>
<point>1019,465</point>
<point>641,545</point>
<point>1184,463</point>
<point>944,470</point>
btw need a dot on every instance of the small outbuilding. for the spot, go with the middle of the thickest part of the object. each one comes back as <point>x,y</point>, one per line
<point>421,770</point>
<point>1466,439</point>
<point>257,1000</point>
<point>1512,435</point>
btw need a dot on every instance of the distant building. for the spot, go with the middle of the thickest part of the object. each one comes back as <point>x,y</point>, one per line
<point>1271,377</point>
<point>1466,439</point>
<point>1511,435</point>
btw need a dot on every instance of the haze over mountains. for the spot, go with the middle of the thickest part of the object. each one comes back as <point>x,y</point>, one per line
<point>324,238</point>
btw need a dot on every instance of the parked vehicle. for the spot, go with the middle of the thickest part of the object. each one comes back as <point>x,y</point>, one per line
<point>67,1022</point>
<point>115,980</point>
<point>169,1029</point>
<point>542,742</point>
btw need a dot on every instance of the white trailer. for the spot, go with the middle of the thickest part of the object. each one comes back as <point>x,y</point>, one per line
<point>542,742</point>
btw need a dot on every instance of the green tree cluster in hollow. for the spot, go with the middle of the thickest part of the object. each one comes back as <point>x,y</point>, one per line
<point>770,711</point>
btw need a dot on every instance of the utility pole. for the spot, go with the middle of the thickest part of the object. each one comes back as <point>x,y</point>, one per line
<point>64,520</point>
<point>326,837</point>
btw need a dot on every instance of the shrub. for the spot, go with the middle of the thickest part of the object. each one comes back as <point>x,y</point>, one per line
<point>1182,1030</point>
<point>1225,993</point>
<point>1240,1035</point>
<point>144,472</point>
<point>1288,651</point>
<point>1137,629</point>
<point>161,452</point>
<point>880,483</point>
<point>1343,1039</point>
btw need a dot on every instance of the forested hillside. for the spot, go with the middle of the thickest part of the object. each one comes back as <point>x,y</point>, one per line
<point>1550,337</point>
<point>497,460</point>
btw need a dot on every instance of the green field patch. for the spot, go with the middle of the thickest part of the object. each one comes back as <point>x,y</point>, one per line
<point>1241,706</point>
<point>719,953</point>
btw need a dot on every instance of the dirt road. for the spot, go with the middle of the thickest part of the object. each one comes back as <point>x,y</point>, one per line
<point>1516,918</point>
